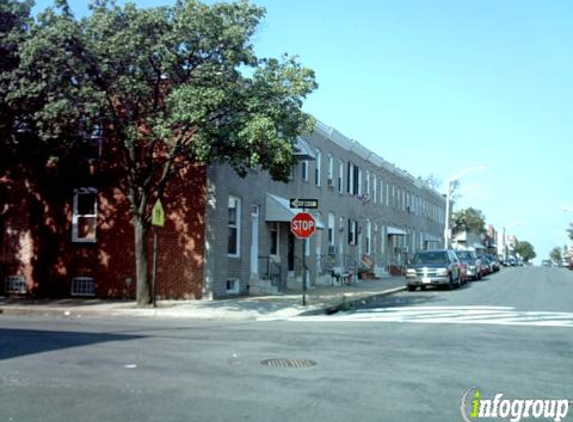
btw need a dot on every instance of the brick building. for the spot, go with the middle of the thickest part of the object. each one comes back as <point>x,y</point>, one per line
<point>371,214</point>
<point>66,230</point>
<point>71,234</point>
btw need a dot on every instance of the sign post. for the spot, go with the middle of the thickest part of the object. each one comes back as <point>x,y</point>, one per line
<point>303,226</point>
<point>157,220</point>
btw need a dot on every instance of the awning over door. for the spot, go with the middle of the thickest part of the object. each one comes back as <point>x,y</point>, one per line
<point>395,232</point>
<point>278,210</point>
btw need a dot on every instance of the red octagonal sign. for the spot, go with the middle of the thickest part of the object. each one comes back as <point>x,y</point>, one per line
<point>303,225</point>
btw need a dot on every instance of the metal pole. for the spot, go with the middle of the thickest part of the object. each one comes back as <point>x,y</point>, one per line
<point>447,226</point>
<point>154,277</point>
<point>304,272</point>
<point>304,268</point>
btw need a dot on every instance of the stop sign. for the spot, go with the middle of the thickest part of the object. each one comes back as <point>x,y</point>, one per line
<point>302,225</point>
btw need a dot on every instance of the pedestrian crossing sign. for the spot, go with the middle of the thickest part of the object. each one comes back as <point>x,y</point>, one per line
<point>157,214</point>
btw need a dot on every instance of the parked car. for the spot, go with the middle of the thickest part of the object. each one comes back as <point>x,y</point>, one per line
<point>495,264</point>
<point>433,268</point>
<point>472,263</point>
<point>486,265</point>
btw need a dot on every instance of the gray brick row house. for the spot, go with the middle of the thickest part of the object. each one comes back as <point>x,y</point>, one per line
<point>371,213</point>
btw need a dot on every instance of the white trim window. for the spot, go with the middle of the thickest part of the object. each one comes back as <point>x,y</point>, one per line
<point>318,168</point>
<point>304,167</point>
<point>275,239</point>
<point>234,224</point>
<point>331,228</point>
<point>374,189</point>
<point>341,177</point>
<point>330,174</point>
<point>232,286</point>
<point>84,217</point>
<point>368,237</point>
<point>352,231</point>
<point>367,184</point>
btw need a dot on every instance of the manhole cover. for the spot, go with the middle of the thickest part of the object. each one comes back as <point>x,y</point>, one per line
<point>288,363</point>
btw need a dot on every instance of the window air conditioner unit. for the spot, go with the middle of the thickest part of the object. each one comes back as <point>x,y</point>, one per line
<point>330,183</point>
<point>331,250</point>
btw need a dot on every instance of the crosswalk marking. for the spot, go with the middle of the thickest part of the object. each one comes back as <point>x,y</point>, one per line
<point>492,315</point>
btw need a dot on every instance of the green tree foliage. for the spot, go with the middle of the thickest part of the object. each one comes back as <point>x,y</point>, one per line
<point>555,255</point>
<point>525,250</point>
<point>14,22</point>
<point>470,219</point>
<point>570,231</point>
<point>173,86</point>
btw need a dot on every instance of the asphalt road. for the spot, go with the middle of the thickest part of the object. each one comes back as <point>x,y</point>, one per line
<point>378,369</point>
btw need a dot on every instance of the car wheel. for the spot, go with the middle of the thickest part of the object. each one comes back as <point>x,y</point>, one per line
<point>411,288</point>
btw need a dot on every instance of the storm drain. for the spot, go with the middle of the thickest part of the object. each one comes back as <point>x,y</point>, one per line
<point>289,363</point>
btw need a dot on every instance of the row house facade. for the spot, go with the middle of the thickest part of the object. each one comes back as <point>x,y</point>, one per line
<point>371,215</point>
<point>224,235</point>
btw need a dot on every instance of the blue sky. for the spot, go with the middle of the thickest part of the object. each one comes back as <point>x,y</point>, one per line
<point>436,86</point>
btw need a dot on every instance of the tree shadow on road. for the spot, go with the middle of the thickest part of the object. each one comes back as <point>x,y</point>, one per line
<point>15,343</point>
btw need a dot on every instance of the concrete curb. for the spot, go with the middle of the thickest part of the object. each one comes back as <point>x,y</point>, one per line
<point>349,304</point>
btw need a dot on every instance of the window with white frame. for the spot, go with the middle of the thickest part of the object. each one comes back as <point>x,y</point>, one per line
<point>304,169</point>
<point>330,170</point>
<point>318,168</point>
<point>233,286</point>
<point>350,178</point>
<point>374,189</point>
<point>367,183</point>
<point>275,239</point>
<point>368,237</point>
<point>234,223</point>
<point>352,231</point>
<point>84,217</point>
<point>331,228</point>
<point>341,176</point>
<point>359,177</point>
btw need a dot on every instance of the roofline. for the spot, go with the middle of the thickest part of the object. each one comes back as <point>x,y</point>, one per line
<point>356,147</point>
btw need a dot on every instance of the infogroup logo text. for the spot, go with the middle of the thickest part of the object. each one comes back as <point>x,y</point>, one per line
<point>474,407</point>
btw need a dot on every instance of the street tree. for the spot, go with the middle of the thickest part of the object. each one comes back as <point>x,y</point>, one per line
<point>570,231</point>
<point>470,219</point>
<point>555,255</point>
<point>525,250</point>
<point>173,86</point>
<point>15,18</point>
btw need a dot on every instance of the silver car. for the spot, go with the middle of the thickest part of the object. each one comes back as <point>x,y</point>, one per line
<point>433,268</point>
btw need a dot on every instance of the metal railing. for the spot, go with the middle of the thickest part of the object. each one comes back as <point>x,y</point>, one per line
<point>270,269</point>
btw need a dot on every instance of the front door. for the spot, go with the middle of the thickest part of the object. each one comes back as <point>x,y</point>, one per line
<point>290,252</point>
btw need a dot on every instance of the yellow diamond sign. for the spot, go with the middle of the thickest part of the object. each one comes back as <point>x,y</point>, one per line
<point>157,214</point>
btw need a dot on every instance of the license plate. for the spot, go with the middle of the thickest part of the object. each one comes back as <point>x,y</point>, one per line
<point>426,280</point>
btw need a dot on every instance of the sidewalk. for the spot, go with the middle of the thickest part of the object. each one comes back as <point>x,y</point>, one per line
<point>280,306</point>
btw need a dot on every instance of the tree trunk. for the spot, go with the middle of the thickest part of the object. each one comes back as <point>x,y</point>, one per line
<point>143,293</point>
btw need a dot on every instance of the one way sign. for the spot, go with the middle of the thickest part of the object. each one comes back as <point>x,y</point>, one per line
<point>304,203</point>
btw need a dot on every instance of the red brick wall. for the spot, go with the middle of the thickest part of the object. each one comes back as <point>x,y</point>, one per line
<point>36,233</point>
